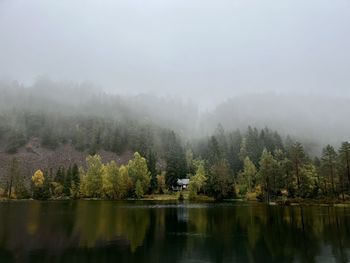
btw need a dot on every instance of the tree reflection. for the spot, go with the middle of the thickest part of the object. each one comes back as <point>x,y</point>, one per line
<point>144,232</point>
<point>106,221</point>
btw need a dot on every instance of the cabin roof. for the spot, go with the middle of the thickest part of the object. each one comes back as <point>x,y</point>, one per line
<point>183,181</point>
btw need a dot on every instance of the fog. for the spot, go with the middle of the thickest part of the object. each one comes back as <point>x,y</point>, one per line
<point>199,49</point>
<point>184,64</point>
<point>314,120</point>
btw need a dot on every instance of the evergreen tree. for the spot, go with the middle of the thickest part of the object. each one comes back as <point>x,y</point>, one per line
<point>152,167</point>
<point>243,153</point>
<point>266,173</point>
<point>214,154</point>
<point>60,175</point>
<point>320,189</point>
<point>67,182</point>
<point>344,159</point>
<point>253,145</point>
<point>298,158</point>
<point>282,179</point>
<point>328,166</point>
<point>175,160</point>
<point>191,168</point>
<point>221,183</point>
<point>222,140</point>
<point>233,158</point>
<point>75,175</point>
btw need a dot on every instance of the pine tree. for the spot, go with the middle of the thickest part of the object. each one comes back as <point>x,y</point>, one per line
<point>320,189</point>
<point>328,166</point>
<point>282,178</point>
<point>253,145</point>
<point>67,182</point>
<point>175,160</point>
<point>214,154</point>
<point>220,181</point>
<point>266,173</point>
<point>297,157</point>
<point>152,167</point>
<point>191,168</point>
<point>344,158</point>
<point>75,175</point>
<point>60,175</point>
<point>220,135</point>
<point>235,139</point>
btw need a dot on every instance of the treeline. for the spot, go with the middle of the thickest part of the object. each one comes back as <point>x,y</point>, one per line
<point>85,100</point>
<point>256,164</point>
<point>84,133</point>
<point>260,164</point>
<point>107,181</point>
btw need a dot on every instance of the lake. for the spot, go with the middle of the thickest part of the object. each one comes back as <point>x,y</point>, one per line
<point>146,231</point>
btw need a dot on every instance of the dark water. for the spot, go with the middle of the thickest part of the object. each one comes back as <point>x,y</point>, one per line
<point>102,231</point>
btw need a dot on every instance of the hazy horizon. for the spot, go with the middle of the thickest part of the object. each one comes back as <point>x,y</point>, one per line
<point>203,50</point>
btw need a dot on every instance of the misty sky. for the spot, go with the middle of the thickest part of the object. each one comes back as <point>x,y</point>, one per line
<point>204,49</point>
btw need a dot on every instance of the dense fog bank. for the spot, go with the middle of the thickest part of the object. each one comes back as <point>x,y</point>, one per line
<point>314,120</point>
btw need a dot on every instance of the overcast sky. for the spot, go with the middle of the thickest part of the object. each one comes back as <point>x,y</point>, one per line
<point>205,49</point>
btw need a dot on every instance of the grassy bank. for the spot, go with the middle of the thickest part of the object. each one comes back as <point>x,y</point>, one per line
<point>177,196</point>
<point>184,196</point>
<point>152,197</point>
<point>321,201</point>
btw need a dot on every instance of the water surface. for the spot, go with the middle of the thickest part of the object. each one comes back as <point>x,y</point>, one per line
<point>107,231</point>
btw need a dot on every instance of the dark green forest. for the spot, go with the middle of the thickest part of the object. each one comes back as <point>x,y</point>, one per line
<point>248,162</point>
<point>254,163</point>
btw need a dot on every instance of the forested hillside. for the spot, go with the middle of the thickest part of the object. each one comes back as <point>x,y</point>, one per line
<point>85,100</point>
<point>61,140</point>
<point>314,120</point>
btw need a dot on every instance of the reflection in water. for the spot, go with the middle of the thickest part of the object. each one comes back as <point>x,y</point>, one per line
<point>96,231</point>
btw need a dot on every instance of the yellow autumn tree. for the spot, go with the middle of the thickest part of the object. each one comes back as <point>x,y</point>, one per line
<point>138,171</point>
<point>38,178</point>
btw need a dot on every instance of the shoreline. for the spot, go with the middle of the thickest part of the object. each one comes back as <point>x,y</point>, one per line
<point>202,199</point>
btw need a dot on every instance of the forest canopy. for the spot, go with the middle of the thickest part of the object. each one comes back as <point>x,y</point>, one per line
<point>258,163</point>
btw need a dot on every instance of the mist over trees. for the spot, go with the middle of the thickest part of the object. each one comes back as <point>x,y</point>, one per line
<point>264,167</point>
<point>174,140</point>
<point>83,99</point>
<point>313,120</point>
